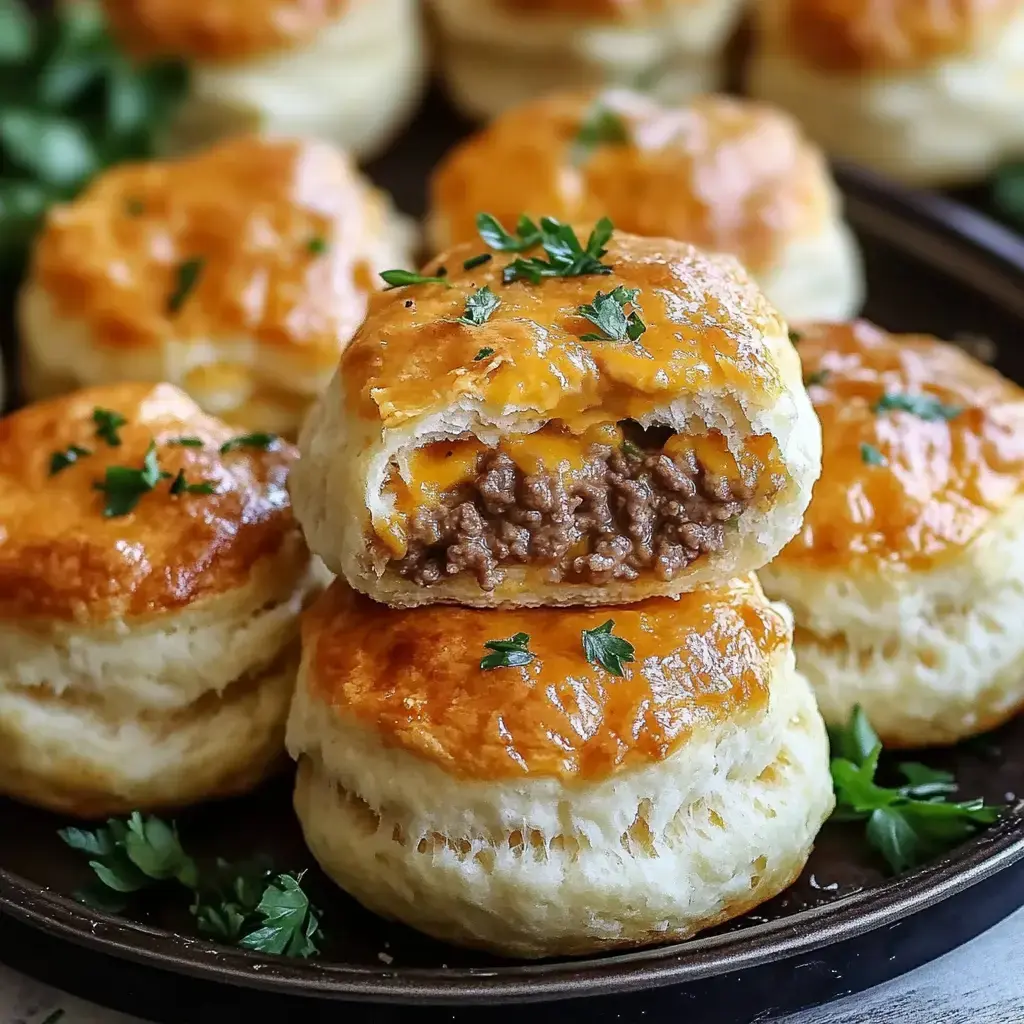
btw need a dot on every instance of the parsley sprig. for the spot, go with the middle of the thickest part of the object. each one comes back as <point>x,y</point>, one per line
<point>480,306</point>
<point>60,461</point>
<point>927,407</point>
<point>907,824</point>
<point>510,653</point>
<point>186,277</point>
<point>871,456</point>
<point>527,236</point>
<point>600,127</point>
<point>124,486</point>
<point>245,904</point>
<point>258,440</point>
<point>108,423</point>
<point>611,652</point>
<point>566,256</point>
<point>397,278</point>
<point>608,313</point>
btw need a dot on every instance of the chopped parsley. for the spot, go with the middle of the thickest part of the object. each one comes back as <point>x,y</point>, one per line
<point>600,127</point>
<point>477,261</point>
<point>632,450</point>
<point>61,460</point>
<point>608,651</point>
<point>818,377</point>
<point>483,354</point>
<point>527,235</point>
<point>608,313</point>
<point>185,442</point>
<point>186,278</point>
<point>317,246</point>
<point>871,456</point>
<point>124,486</point>
<point>907,824</point>
<point>180,486</point>
<point>479,307</point>
<point>795,337</point>
<point>264,441</point>
<point>108,423</point>
<point>397,278</point>
<point>927,407</point>
<point>510,653</point>
<point>566,257</point>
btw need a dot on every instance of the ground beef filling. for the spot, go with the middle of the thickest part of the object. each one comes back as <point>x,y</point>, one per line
<point>624,515</point>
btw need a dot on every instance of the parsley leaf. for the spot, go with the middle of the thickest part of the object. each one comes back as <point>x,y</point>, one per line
<point>479,307</point>
<point>264,441</point>
<point>927,407</point>
<point>179,486</point>
<point>818,377</point>
<point>483,354</point>
<point>906,824</point>
<point>397,278</point>
<point>608,312</point>
<point>608,651</point>
<point>477,261</point>
<point>527,236</point>
<point>317,246</point>
<point>290,924</point>
<point>185,442</point>
<point>566,256</point>
<point>61,460</point>
<point>871,456</point>
<point>124,486</point>
<point>186,278</point>
<point>510,653</point>
<point>601,126</point>
<point>108,423</point>
<point>795,337</point>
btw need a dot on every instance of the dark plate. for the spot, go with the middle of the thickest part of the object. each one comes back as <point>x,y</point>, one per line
<point>932,266</point>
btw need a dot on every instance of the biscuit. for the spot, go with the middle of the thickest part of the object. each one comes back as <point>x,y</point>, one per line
<point>149,630</point>
<point>553,808</point>
<point>906,579</point>
<point>238,275</point>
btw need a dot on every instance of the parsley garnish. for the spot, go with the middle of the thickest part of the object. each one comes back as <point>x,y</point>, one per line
<point>527,235</point>
<point>477,261</point>
<point>124,486</point>
<point>908,824</point>
<point>317,246</point>
<point>632,450</point>
<point>187,276</point>
<point>795,337</point>
<point>600,127</point>
<point>244,904</point>
<point>566,256</point>
<point>510,653</point>
<point>61,460</point>
<point>483,354</point>
<point>818,377</point>
<point>927,407</point>
<point>397,278</point>
<point>608,651</point>
<point>134,207</point>
<point>479,307</point>
<point>185,442</point>
<point>608,312</point>
<point>264,441</point>
<point>108,423</point>
<point>871,456</point>
<point>179,486</point>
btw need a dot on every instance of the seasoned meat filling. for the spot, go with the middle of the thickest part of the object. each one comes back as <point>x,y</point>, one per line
<point>628,511</point>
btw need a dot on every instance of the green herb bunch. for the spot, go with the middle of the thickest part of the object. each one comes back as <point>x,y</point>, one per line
<point>71,104</point>
<point>245,904</point>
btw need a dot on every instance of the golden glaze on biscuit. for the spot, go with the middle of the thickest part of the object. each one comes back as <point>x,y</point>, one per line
<point>624,10</point>
<point>728,175</point>
<point>889,35</point>
<point>219,30</point>
<point>705,321</point>
<point>942,479</point>
<point>255,213</point>
<point>416,681</point>
<point>60,558</point>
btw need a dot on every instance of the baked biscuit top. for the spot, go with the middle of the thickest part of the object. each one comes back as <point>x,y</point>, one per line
<point>923,445</point>
<point>268,240</point>
<point>700,662</point>
<point>726,174</point>
<point>220,30</point>
<point>706,327</point>
<point>75,545</point>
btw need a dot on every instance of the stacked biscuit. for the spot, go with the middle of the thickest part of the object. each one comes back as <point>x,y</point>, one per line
<point>546,707</point>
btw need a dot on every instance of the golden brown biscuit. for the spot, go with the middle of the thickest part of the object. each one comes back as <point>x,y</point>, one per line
<point>151,581</point>
<point>928,91</point>
<point>535,458</point>
<point>554,808</point>
<point>238,275</point>
<point>724,173</point>
<point>350,71</point>
<point>495,54</point>
<point>907,578</point>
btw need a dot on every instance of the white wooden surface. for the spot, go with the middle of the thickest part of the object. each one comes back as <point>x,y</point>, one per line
<point>980,983</point>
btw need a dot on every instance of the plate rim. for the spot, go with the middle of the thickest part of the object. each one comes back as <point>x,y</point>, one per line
<point>847,917</point>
